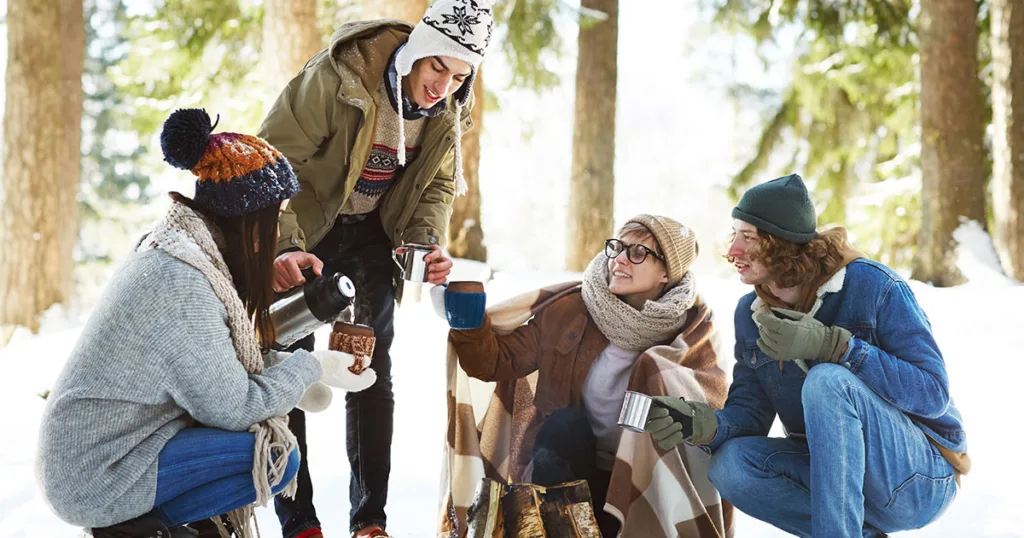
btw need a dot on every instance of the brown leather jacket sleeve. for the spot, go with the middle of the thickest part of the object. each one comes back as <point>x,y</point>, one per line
<point>486,355</point>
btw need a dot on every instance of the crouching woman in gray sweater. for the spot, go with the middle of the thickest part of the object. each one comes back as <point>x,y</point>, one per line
<point>171,408</point>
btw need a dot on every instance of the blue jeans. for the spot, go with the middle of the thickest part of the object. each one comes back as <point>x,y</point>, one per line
<point>362,251</point>
<point>865,467</point>
<point>205,472</point>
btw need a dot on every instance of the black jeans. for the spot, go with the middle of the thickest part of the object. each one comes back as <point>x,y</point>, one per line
<point>362,251</point>
<point>566,450</point>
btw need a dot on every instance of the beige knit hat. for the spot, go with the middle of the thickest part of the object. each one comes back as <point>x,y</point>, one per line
<point>677,242</point>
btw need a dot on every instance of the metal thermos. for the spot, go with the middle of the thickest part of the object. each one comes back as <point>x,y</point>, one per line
<point>304,309</point>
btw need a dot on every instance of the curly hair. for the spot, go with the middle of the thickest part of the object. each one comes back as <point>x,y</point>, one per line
<point>792,264</point>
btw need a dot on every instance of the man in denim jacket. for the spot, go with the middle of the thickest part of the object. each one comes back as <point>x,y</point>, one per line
<point>837,347</point>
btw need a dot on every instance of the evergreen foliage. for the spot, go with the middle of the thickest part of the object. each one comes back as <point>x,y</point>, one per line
<point>849,119</point>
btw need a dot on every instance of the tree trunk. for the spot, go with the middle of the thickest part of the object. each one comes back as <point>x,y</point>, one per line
<point>410,11</point>
<point>467,236</point>
<point>1008,138</point>
<point>291,36</point>
<point>42,157</point>
<point>952,136</point>
<point>592,189</point>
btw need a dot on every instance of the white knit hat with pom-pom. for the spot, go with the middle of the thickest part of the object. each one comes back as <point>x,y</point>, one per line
<point>459,29</point>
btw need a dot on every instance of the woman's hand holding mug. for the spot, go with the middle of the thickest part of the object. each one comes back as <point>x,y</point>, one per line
<point>462,304</point>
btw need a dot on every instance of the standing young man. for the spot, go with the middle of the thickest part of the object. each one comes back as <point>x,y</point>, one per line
<point>372,126</point>
<point>837,347</point>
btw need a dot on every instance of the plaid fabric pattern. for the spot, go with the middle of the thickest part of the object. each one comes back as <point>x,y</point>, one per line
<point>652,492</point>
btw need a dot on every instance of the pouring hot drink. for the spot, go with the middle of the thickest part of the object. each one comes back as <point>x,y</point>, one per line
<point>321,300</point>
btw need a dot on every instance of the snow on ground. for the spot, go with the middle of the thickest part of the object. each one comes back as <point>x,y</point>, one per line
<point>976,326</point>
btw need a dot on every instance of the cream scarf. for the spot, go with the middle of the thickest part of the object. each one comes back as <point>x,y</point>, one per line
<point>186,235</point>
<point>631,329</point>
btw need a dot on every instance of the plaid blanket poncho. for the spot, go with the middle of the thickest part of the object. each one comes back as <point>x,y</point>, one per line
<point>652,492</point>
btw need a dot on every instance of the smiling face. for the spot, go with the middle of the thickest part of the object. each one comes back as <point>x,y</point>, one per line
<point>636,283</point>
<point>741,254</point>
<point>435,78</point>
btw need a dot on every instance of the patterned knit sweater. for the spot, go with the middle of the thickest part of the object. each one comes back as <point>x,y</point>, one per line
<point>382,165</point>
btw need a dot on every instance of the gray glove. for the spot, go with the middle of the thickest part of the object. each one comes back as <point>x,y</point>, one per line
<point>787,335</point>
<point>674,420</point>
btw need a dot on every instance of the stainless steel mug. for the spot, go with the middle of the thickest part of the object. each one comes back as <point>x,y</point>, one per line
<point>635,408</point>
<point>409,259</point>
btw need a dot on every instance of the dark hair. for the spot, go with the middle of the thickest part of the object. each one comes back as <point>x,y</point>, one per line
<point>250,241</point>
<point>792,264</point>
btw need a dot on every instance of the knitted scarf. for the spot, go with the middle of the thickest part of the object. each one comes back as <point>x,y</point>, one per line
<point>631,329</point>
<point>191,238</point>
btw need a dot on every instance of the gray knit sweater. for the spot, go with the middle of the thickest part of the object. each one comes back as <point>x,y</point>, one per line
<point>155,357</point>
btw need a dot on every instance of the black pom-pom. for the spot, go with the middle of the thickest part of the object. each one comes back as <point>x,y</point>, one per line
<point>185,137</point>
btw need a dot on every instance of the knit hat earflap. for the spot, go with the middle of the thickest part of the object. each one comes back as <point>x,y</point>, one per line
<point>781,207</point>
<point>677,242</point>
<point>236,173</point>
<point>459,29</point>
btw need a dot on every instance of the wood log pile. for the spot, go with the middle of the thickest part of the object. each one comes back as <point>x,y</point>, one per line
<point>531,511</point>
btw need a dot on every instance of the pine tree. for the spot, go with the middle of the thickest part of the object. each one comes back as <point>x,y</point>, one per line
<point>291,36</point>
<point>592,190</point>
<point>848,120</point>
<point>1007,42</point>
<point>953,165</point>
<point>466,231</point>
<point>42,157</point>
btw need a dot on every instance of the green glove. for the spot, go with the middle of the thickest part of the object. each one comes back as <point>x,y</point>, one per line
<point>674,420</point>
<point>787,335</point>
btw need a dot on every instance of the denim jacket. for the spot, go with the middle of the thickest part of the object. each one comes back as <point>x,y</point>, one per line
<point>892,350</point>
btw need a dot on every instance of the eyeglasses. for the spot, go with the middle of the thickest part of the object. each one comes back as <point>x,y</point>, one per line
<point>635,253</point>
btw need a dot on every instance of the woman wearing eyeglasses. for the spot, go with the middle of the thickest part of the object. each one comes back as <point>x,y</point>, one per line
<point>635,322</point>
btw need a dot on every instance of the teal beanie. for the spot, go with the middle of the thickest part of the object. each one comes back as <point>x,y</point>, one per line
<point>781,207</point>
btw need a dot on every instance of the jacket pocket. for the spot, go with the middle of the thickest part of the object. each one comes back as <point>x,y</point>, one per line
<point>861,330</point>
<point>571,336</point>
<point>753,357</point>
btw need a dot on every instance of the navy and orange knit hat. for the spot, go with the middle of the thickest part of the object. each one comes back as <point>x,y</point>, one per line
<point>237,173</point>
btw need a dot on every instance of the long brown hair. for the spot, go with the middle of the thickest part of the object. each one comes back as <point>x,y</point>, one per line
<point>792,264</point>
<point>249,251</point>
